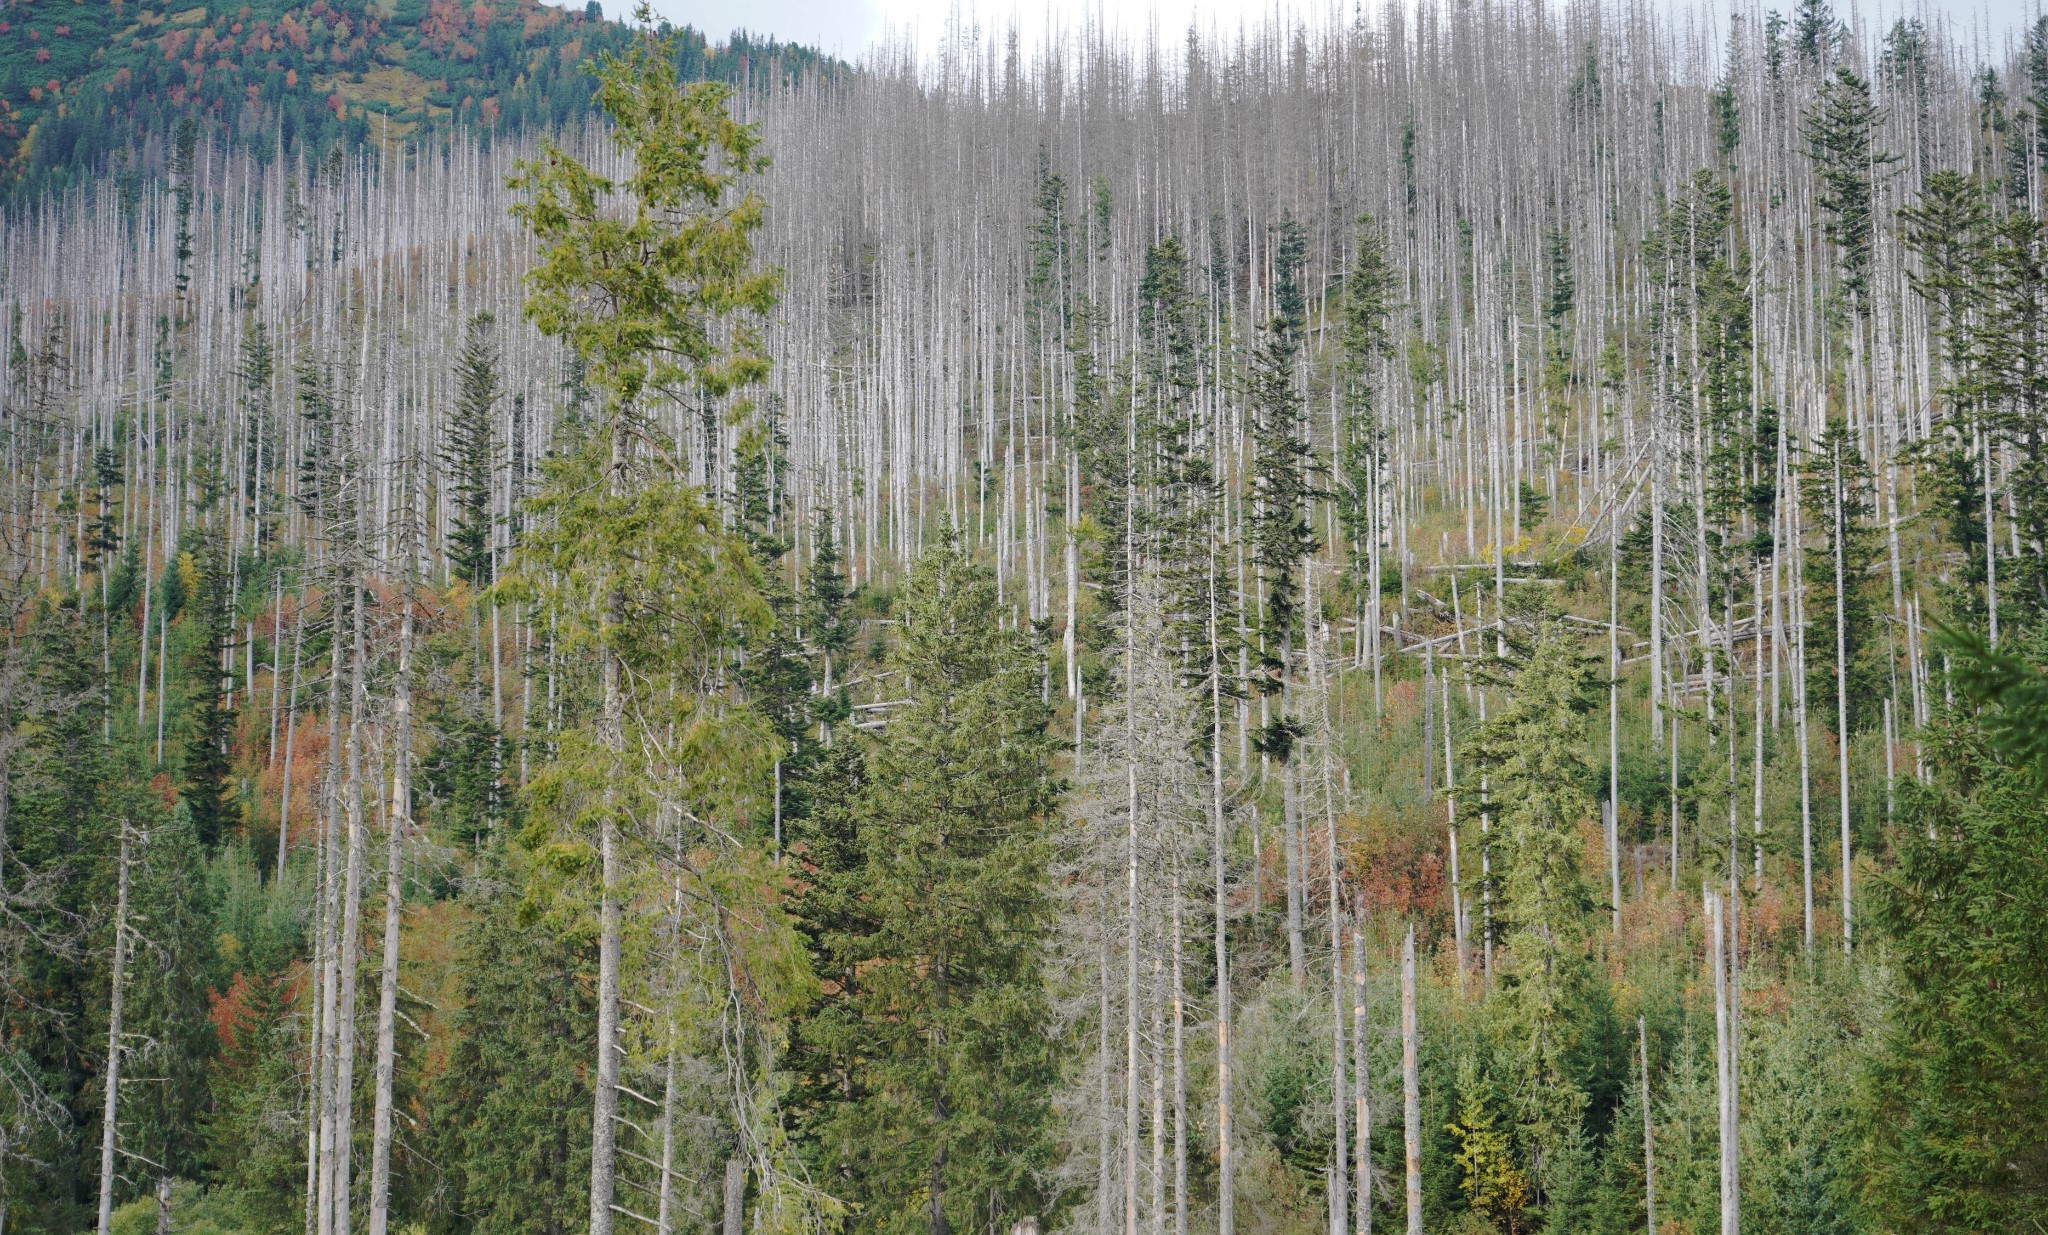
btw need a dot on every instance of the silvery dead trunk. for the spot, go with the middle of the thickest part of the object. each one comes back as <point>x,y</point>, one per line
<point>399,819</point>
<point>110,1102</point>
<point>1411,1085</point>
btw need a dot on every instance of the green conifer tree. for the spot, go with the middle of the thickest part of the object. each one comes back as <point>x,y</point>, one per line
<point>169,1033</point>
<point>1282,480</point>
<point>1836,465</point>
<point>653,283</point>
<point>54,828</point>
<point>1532,752</point>
<point>205,776</point>
<point>512,1129</point>
<point>930,1063</point>
<point>1369,289</point>
<point>1948,229</point>
<point>1840,131</point>
<point>1950,1112</point>
<point>471,453</point>
<point>831,631</point>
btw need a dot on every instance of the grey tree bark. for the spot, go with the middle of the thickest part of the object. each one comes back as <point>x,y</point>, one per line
<point>110,1103</point>
<point>1411,1085</point>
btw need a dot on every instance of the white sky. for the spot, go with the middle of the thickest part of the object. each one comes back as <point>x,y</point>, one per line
<point>845,27</point>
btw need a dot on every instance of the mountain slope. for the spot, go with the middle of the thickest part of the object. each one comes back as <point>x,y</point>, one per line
<point>83,83</point>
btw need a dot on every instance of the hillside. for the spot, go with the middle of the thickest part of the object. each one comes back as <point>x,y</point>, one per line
<point>1432,622</point>
<point>83,83</point>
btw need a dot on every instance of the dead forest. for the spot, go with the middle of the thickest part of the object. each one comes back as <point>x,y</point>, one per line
<point>1433,618</point>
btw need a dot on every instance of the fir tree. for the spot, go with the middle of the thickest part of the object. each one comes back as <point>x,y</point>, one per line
<point>1180,482</point>
<point>471,453</point>
<point>1948,228</point>
<point>254,1121</point>
<point>2015,385</point>
<point>652,282</point>
<point>256,371</point>
<point>1495,1187</point>
<point>169,1033</point>
<point>1837,491</point>
<point>1369,289</point>
<point>1621,1200</point>
<point>1282,479</point>
<point>826,600</point>
<point>1951,1111</point>
<point>205,775</point>
<point>1814,32</point>
<point>105,537</point>
<point>932,1064</point>
<point>512,1137</point>
<point>1798,1173</point>
<point>1840,131</point>
<point>55,777</point>
<point>183,165</point>
<point>1531,752</point>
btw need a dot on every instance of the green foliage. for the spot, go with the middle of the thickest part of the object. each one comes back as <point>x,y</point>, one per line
<point>1687,1137</point>
<point>1951,1107</point>
<point>460,773</point>
<point>1727,119</point>
<point>2015,390</point>
<point>1532,752</point>
<point>54,774</point>
<point>928,1064</point>
<point>313,75</point>
<point>1799,1134</point>
<point>827,610</point>
<point>1368,347</point>
<point>1286,1070</point>
<point>2012,690</point>
<point>1838,493</point>
<point>253,1124</point>
<point>1495,1187</point>
<point>1282,465</point>
<point>205,774</point>
<point>639,275</point>
<point>1839,131</point>
<point>169,1035</point>
<point>470,454</point>
<point>1815,32</point>
<point>512,1110</point>
<point>1621,1199</point>
<point>1177,510</point>
<point>194,1211</point>
<point>653,577</point>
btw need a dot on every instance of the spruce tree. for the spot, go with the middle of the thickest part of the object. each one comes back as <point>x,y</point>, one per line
<point>204,787</point>
<point>1840,131</point>
<point>652,282</point>
<point>930,1061</point>
<point>1532,753</point>
<point>1948,229</point>
<point>1951,1111</point>
<point>55,777</point>
<point>167,1023</point>
<point>1814,32</point>
<point>511,1135</point>
<point>1367,344</point>
<point>826,601</point>
<point>1837,491</point>
<point>470,453</point>
<point>1282,479</point>
<point>2016,386</point>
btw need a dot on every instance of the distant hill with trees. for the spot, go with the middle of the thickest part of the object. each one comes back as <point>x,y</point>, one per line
<point>89,87</point>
